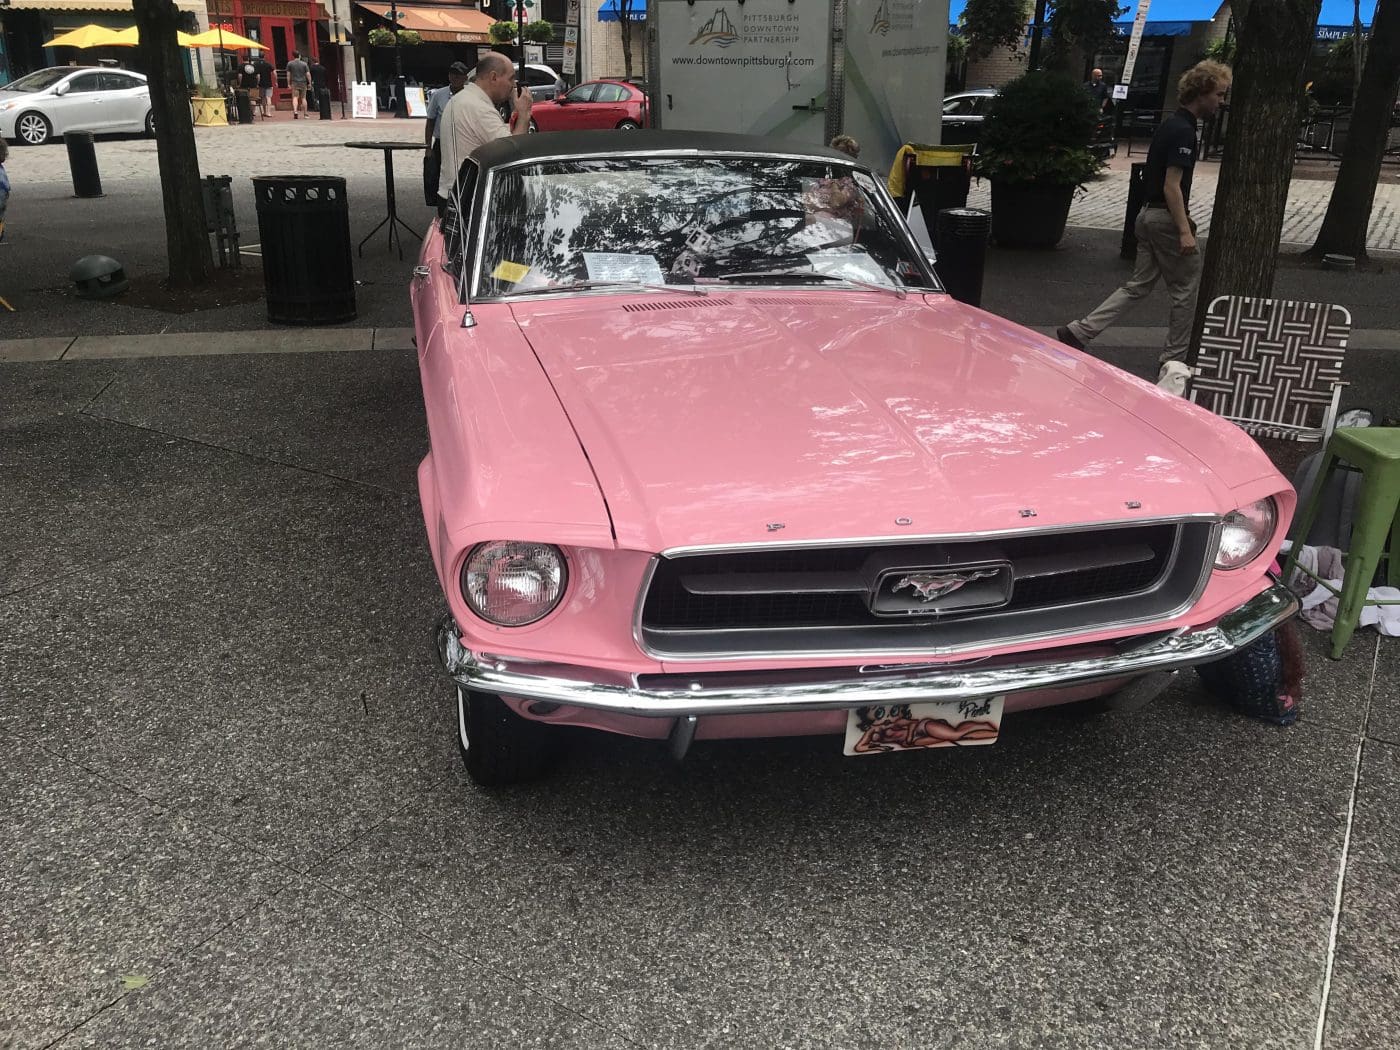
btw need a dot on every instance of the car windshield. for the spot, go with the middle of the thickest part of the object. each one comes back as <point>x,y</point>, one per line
<point>38,80</point>
<point>689,221</point>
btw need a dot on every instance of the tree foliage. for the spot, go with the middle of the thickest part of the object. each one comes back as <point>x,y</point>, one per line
<point>991,24</point>
<point>1078,28</point>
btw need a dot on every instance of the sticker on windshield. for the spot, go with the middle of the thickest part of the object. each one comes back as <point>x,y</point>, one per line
<point>849,265</point>
<point>510,271</point>
<point>619,266</point>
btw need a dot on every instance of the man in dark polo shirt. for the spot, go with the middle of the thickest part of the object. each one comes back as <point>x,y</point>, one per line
<point>1166,235</point>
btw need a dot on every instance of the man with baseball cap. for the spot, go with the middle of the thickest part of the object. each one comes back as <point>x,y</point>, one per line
<point>457,74</point>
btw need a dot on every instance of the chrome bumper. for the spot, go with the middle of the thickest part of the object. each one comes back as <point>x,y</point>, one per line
<point>1233,632</point>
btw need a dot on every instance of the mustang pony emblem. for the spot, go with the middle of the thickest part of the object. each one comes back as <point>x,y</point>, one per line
<point>930,586</point>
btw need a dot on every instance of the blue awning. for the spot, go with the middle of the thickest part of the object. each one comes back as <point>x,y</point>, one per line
<point>1164,17</point>
<point>637,12</point>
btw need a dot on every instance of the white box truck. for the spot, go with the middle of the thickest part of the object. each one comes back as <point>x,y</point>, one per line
<point>806,70</point>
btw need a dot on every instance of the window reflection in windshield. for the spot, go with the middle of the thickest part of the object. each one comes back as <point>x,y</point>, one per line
<point>38,80</point>
<point>685,221</point>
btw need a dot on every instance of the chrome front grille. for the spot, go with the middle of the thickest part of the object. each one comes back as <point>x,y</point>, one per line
<point>876,597</point>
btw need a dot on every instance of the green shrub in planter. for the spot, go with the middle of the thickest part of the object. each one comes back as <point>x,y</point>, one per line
<point>410,37</point>
<point>539,32</point>
<point>380,37</point>
<point>501,32</point>
<point>1034,148</point>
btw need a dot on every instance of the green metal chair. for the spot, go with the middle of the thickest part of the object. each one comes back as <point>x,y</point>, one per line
<point>1375,452</point>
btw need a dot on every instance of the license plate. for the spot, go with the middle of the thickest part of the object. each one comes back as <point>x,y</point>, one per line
<point>914,727</point>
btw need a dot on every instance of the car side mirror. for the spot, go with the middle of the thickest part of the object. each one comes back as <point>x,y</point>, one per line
<point>63,88</point>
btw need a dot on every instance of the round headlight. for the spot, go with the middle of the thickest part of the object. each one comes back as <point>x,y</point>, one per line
<point>1244,533</point>
<point>511,584</point>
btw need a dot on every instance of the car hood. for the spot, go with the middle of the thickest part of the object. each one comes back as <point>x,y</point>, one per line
<point>756,417</point>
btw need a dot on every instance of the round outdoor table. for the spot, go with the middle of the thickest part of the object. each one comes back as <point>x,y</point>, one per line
<point>392,218</point>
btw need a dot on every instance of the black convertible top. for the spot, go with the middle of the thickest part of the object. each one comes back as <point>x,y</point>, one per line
<point>565,144</point>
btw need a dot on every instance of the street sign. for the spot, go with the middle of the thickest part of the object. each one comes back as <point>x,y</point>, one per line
<point>570,50</point>
<point>1135,41</point>
<point>571,19</point>
<point>1120,92</point>
<point>534,53</point>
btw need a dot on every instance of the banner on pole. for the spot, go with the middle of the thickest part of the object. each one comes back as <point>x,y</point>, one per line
<point>1135,41</point>
<point>417,104</point>
<point>534,53</point>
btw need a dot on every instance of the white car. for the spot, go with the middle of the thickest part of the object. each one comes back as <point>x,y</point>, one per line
<point>47,103</point>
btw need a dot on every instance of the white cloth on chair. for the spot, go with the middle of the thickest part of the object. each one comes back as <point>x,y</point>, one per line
<point>1320,605</point>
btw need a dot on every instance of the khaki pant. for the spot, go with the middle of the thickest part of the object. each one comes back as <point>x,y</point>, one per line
<point>1158,255</point>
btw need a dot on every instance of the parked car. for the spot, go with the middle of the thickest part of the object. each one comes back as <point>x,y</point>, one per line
<point>712,455</point>
<point>544,83</point>
<point>599,104</point>
<point>48,103</point>
<point>962,115</point>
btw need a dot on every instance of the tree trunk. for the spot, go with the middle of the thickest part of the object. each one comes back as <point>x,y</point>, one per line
<point>1275,38</point>
<point>186,242</point>
<point>1349,209</point>
<point>624,25</point>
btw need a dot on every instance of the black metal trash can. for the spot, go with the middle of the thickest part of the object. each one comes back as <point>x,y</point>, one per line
<point>243,103</point>
<point>938,188</point>
<point>1128,249</point>
<point>962,252</point>
<point>304,226</point>
<point>82,163</point>
<point>324,98</point>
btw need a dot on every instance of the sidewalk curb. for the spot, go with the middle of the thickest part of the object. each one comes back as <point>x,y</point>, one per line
<point>194,344</point>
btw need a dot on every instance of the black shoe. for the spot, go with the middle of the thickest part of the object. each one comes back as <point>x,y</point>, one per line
<point>1064,335</point>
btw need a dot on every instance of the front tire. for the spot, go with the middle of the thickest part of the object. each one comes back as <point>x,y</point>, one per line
<point>629,125</point>
<point>33,129</point>
<point>497,746</point>
<point>150,124</point>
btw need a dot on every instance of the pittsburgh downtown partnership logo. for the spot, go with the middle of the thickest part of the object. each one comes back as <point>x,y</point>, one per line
<point>881,24</point>
<point>719,30</point>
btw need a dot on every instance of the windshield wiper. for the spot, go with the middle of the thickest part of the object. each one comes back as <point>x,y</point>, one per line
<point>815,275</point>
<point>640,285</point>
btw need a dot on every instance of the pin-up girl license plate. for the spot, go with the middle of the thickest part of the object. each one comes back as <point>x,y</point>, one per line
<point>914,727</point>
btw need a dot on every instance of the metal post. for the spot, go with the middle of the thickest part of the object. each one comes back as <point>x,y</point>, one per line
<point>1036,27</point>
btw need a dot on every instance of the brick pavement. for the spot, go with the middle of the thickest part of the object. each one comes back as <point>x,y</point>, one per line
<point>1102,204</point>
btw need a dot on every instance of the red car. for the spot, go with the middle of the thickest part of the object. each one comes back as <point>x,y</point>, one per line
<point>596,104</point>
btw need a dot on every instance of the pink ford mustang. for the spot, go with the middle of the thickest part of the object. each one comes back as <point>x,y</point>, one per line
<point>713,456</point>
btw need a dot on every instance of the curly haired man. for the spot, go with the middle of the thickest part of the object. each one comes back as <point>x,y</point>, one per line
<point>1166,235</point>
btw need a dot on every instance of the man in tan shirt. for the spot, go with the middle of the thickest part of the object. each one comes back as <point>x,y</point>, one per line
<point>471,119</point>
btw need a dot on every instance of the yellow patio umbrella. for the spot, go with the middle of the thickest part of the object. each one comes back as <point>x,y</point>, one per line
<point>86,36</point>
<point>131,36</point>
<point>228,41</point>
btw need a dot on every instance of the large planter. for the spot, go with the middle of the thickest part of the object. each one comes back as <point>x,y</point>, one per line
<point>1029,214</point>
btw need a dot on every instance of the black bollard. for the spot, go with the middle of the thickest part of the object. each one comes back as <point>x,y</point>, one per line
<point>1128,249</point>
<point>962,252</point>
<point>325,100</point>
<point>243,103</point>
<point>82,162</point>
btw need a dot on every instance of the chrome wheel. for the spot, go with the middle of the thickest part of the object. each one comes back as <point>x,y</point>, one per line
<point>33,129</point>
<point>628,125</point>
<point>150,122</point>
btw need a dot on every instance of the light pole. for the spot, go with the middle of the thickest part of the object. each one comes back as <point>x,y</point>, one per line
<point>400,85</point>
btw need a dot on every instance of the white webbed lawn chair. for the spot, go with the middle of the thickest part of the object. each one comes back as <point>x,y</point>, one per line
<point>1273,366</point>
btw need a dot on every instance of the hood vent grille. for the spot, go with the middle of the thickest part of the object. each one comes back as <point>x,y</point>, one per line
<point>676,304</point>
<point>778,300</point>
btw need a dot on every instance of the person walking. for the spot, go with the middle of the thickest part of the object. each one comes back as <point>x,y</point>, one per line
<point>298,75</point>
<point>1166,234</point>
<point>1099,90</point>
<point>319,79</point>
<point>470,118</point>
<point>263,68</point>
<point>457,74</point>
